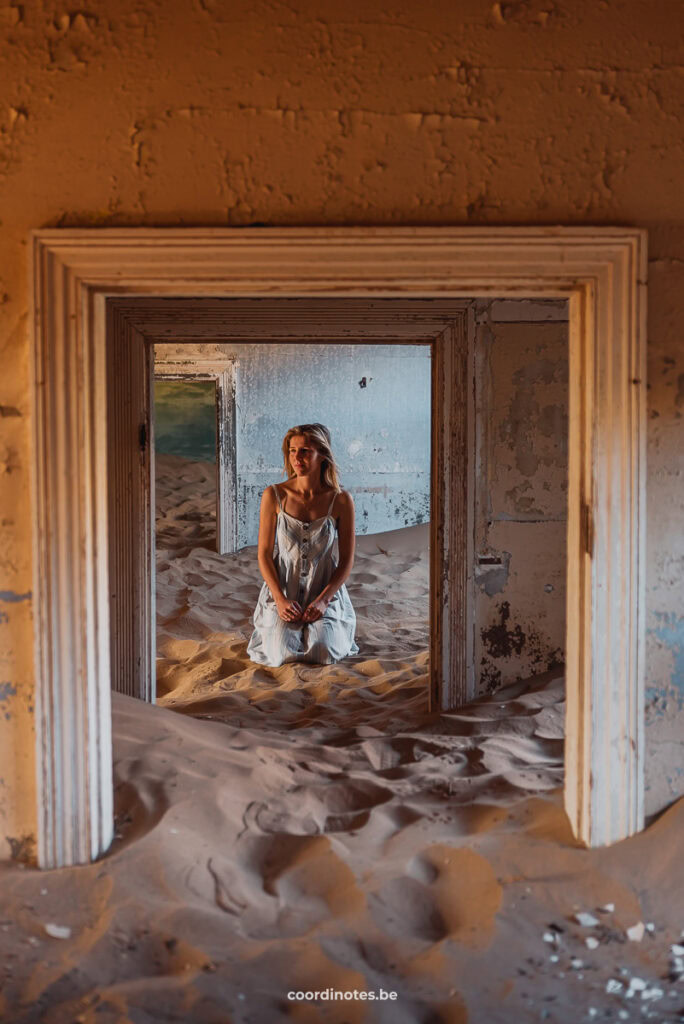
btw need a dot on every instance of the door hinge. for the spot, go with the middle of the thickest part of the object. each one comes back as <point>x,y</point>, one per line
<point>142,437</point>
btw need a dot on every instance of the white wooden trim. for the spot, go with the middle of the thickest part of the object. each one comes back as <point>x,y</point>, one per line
<point>71,623</point>
<point>601,271</point>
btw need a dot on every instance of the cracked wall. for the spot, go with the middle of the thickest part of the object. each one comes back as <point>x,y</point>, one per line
<point>150,113</point>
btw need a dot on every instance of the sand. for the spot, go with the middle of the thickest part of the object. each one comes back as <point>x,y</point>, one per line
<point>315,829</point>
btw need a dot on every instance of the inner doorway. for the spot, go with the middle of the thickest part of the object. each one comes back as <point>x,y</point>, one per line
<point>376,402</point>
<point>138,326</point>
<point>185,457</point>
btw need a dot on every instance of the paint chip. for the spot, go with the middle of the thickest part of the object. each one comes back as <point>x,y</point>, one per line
<point>58,931</point>
<point>636,932</point>
<point>586,920</point>
<point>590,942</point>
<point>613,986</point>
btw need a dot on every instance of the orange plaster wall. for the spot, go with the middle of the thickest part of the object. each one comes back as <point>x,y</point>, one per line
<point>160,112</point>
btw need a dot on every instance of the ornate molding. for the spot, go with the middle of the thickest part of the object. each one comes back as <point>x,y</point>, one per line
<point>602,271</point>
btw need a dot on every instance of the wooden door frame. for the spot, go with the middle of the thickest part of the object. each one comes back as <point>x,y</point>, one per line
<point>222,372</point>
<point>136,324</point>
<point>602,273</point>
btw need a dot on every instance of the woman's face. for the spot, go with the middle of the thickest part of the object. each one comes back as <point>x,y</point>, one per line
<point>305,459</point>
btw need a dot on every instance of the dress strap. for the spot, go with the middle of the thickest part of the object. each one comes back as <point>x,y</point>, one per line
<point>332,502</point>
<point>277,497</point>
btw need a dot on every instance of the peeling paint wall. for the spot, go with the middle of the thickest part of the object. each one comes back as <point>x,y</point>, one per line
<point>374,399</point>
<point>521,472</point>
<point>142,113</point>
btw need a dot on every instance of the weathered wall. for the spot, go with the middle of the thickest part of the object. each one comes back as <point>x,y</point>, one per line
<point>374,399</point>
<point>567,111</point>
<point>521,472</point>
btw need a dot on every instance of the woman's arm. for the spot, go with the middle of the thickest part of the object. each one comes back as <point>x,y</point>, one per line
<point>287,610</point>
<point>346,542</point>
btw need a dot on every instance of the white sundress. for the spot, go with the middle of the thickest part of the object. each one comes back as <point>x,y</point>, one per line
<point>305,559</point>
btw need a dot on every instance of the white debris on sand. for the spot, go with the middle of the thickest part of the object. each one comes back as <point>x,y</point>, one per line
<point>58,931</point>
<point>586,920</point>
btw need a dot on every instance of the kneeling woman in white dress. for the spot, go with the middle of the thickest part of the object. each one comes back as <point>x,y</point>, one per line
<point>304,612</point>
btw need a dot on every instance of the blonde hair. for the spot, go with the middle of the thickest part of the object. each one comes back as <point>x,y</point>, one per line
<point>319,436</point>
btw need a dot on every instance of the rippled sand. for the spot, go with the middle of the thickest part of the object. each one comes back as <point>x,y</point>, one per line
<point>315,828</point>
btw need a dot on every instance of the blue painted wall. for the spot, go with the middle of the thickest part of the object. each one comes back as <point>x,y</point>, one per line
<point>374,399</point>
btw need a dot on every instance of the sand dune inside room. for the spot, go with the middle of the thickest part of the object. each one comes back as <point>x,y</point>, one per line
<point>312,828</point>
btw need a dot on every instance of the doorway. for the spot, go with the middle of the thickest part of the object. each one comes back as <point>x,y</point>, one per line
<point>138,327</point>
<point>375,400</point>
<point>194,405</point>
<point>602,271</point>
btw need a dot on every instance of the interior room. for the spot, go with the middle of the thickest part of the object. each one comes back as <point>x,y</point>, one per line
<point>376,401</point>
<point>478,816</point>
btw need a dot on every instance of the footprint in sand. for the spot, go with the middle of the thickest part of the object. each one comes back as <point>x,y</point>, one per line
<point>407,907</point>
<point>331,807</point>
<point>138,805</point>
<point>463,885</point>
<point>383,753</point>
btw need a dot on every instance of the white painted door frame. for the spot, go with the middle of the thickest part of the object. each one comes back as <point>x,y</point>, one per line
<point>222,373</point>
<point>601,271</point>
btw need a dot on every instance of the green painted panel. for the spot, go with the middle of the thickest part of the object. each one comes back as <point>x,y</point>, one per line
<point>185,419</point>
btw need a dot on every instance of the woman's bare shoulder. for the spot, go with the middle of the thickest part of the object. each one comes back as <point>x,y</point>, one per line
<point>268,498</point>
<point>344,500</point>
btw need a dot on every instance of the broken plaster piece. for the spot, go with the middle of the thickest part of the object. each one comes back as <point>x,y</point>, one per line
<point>58,931</point>
<point>636,932</point>
<point>590,942</point>
<point>613,986</point>
<point>586,920</point>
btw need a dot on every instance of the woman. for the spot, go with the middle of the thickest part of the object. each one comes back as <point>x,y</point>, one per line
<point>304,612</point>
